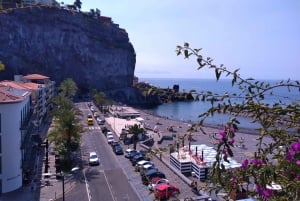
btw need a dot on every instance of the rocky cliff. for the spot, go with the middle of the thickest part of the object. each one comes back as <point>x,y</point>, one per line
<point>61,44</point>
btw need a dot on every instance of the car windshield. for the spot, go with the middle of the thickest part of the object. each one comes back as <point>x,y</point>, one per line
<point>93,157</point>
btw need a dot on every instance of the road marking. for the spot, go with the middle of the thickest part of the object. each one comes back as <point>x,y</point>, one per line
<point>109,187</point>
<point>87,187</point>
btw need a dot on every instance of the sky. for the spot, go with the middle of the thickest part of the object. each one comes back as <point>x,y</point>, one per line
<point>261,37</point>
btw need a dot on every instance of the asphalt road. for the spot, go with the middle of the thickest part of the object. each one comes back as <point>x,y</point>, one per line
<point>106,181</point>
<point>115,178</point>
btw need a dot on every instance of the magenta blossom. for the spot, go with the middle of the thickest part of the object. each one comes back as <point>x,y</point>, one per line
<point>245,163</point>
<point>295,147</point>
<point>257,162</point>
<point>265,193</point>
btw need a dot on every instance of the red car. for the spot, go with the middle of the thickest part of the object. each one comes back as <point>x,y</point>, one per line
<point>164,191</point>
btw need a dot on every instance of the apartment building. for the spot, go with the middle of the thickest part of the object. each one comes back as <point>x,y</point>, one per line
<point>14,110</point>
<point>39,92</point>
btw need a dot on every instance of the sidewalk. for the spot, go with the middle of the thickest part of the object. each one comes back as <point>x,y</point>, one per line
<point>42,189</point>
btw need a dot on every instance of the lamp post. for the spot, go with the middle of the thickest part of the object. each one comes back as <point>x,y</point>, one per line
<point>62,175</point>
<point>63,184</point>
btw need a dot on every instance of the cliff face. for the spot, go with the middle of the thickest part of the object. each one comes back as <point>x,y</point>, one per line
<point>63,44</point>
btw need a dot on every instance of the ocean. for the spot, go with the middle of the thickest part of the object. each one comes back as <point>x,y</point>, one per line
<point>189,111</point>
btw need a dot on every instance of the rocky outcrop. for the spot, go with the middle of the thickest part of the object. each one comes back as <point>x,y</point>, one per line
<point>62,44</point>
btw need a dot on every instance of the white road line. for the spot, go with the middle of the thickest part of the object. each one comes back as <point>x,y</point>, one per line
<point>109,187</point>
<point>87,187</point>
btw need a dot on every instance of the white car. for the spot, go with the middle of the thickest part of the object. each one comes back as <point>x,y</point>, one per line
<point>93,158</point>
<point>127,152</point>
<point>110,138</point>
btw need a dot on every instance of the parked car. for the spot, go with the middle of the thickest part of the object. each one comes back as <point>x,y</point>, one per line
<point>146,167</point>
<point>127,152</point>
<point>93,158</point>
<point>165,191</point>
<point>110,138</point>
<point>114,143</point>
<point>100,121</point>
<point>132,154</point>
<point>137,158</point>
<point>118,150</point>
<point>104,129</point>
<point>157,181</point>
<point>142,163</point>
<point>150,174</point>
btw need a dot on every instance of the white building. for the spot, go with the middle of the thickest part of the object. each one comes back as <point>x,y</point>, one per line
<point>14,111</point>
<point>22,101</point>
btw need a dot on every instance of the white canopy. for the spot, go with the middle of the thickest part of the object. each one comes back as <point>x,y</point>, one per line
<point>139,119</point>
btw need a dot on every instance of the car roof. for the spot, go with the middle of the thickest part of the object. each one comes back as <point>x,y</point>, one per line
<point>142,162</point>
<point>93,153</point>
<point>163,186</point>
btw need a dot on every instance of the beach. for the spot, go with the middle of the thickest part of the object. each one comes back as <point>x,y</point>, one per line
<point>158,126</point>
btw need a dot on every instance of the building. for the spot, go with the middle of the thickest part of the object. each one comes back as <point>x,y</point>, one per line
<point>23,116</point>
<point>5,4</point>
<point>14,112</point>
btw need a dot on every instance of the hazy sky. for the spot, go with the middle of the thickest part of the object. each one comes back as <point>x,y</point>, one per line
<point>261,37</point>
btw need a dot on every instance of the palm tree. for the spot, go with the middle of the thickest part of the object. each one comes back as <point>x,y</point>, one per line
<point>68,88</point>
<point>100,99</point>
<point>135,130</point>
<point>2,66</point>
<point>77,4</point>
<point>67,128</point>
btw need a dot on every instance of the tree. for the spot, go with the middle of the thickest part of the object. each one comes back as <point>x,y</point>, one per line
<point>68,88</point>
<point>2,66</point>
<point>135,130</point>
<point>277,162</point>
<point>67,128</point>
<point>77,4</point>
<point>100,99</point>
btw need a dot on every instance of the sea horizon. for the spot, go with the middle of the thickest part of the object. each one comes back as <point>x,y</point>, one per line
<point>189,111</point>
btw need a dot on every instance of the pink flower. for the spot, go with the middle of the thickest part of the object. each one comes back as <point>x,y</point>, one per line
<point>295,146</point>
<point>265,193</point>
<point>245,163</point>
<point>257,162</point>
<point>298,162</point>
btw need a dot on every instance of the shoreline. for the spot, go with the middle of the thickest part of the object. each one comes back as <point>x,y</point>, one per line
<point>205,125</point>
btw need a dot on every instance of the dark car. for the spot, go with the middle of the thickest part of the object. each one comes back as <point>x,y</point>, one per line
<point>132,154</point>
<point>114,143</point>
<point>118,150</point>
<point>138,158</point>
<point>146,178</point>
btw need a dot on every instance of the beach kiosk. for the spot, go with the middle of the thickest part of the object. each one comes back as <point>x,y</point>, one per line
<point>197,160</point>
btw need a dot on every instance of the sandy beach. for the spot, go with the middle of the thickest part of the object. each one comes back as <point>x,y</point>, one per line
<point>245,142</point>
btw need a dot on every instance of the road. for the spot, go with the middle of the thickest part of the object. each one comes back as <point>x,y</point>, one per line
<point>106,181</point>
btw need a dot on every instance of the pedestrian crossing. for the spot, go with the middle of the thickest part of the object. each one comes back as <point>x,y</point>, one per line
<point>94,128</point>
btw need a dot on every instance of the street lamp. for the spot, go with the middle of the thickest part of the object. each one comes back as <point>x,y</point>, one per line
<point>62,175</point>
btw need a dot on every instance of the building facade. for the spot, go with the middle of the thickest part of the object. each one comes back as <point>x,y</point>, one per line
<point>14,111</point>
<point>24,104</point>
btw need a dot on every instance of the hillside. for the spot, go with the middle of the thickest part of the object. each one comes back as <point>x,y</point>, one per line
<point>60,43</point>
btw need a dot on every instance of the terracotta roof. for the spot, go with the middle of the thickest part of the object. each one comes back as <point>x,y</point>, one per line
<point>20,85</point>
<point>35,77</point>
<point>6,96</point>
